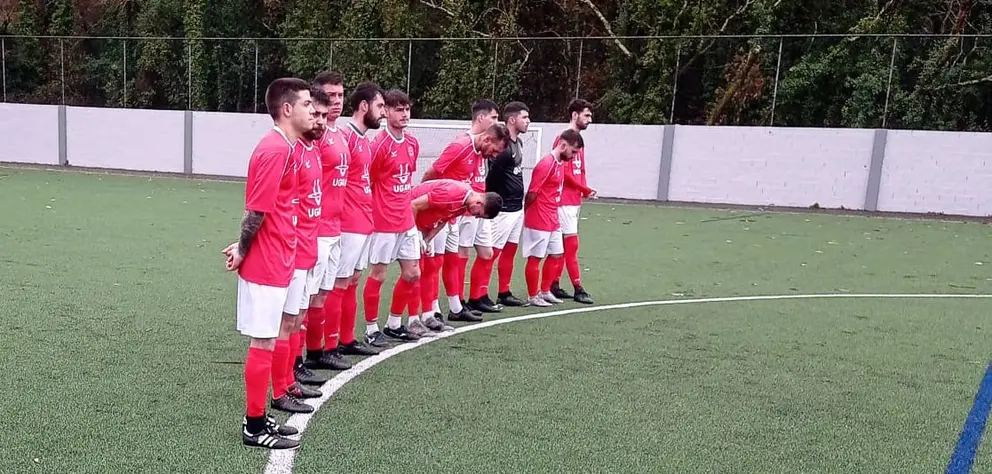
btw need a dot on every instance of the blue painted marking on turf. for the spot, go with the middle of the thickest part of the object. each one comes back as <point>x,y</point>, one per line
<point>974,426</point>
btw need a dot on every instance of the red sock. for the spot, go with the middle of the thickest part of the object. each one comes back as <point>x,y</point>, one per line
<point>436,279</point>
<point>373,289</point>
<point>314,332</point>
<point>552,267</point>
<point>413,299</point>
<point>295,346</point>
<point>401,291</point>
<point>332,318</point>
<point>479,281</point>
<point>572,259</point>
<point>428,273</point>
<point>532,272</point>
<point>506,260</point>
<point>279,367</point>
<point>462,269</point>
<point>449,273</point>
<point>258,369</point>
<point>349,311</point>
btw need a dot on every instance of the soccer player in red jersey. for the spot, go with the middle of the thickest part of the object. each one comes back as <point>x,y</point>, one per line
<point>265,254</point>
<point>394,235</point>
<point>435,204</point>
<point>323,351</point>
<point>542,229</point>
<point>575,189</point>
<point>461,161</point>
<point>356,217</point>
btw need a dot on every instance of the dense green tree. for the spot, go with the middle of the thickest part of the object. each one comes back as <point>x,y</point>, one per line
<point>744,62</point>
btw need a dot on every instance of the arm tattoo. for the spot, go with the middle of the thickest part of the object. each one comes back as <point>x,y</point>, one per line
<point>249,227</point>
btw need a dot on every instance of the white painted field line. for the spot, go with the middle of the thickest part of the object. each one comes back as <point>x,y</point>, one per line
<point>281,462</point>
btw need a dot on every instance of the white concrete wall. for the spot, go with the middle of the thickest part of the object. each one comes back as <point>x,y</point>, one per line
<point>940,172</point>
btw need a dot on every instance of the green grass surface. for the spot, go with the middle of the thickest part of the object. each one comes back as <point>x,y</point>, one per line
<point>119,354</point>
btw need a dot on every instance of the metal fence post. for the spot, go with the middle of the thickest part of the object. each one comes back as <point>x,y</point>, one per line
<point>578,70</point>
<point>675,82</point>
<point>62,66</point>
<point>189,75</point>
<point>778,68</point>
<point>3,63</point>
<point>254,98</point>
<point>409,63</point>
<point>330,56</point>
<point>124,95</point>
<point>888,88</point>
<point>495,66</point>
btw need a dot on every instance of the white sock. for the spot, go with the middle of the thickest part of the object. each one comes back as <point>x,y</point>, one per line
<point>455,304</point>
<point>394,321</point>
<point>428,315</point>
<point>413,319</point>
<point>436,306</point>
<point>371,328</point>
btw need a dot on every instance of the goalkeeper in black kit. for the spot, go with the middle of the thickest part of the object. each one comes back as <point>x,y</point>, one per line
<point>505,177</point>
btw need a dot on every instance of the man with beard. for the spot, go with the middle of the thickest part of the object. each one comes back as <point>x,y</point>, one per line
<point>356,217</point>
<point>575,188</point>
<point>286,391</point>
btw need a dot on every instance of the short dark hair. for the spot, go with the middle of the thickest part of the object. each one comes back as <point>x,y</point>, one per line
<point>320,97</point>
<point>498,131</point>
<point>333,78</point>
<point>395,98</point>
<point>576,106</point>
<point>572,138</point>
<point>513,109</point>
<point>364,92</point>
<point>281,91</point>
<point>483,106</point>
<point>492,205</point>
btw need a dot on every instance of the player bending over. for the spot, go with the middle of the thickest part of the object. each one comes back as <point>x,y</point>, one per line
<point>460,161</point>
<point>265,253</point>
<point>505,178</point>
<point>435,203</point>
<point>542,229</point>
<point>394,236</point>
<point>575,189</point>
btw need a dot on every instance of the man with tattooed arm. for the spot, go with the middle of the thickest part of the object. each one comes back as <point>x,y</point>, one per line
<point>265,254</point>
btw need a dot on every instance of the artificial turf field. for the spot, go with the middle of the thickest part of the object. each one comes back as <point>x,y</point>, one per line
<point>118,350</point>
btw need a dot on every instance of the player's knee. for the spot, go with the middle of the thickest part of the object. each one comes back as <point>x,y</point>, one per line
<point>263,344</point>
<point>485,253</point>
<point>464,252</point>
<point>378,272</point>
<point>411,274</point>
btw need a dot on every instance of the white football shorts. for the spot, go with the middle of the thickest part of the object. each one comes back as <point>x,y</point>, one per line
<point>386,248</point>
<point>297,291</point>
<point>354,254</point>
<point>569,218</point>
<point>259,312</point>
<point>541,243</point>
<point>328,252</point>
<point>507,227</point>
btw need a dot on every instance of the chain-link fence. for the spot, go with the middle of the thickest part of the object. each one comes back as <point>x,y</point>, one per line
<point>918,81</point>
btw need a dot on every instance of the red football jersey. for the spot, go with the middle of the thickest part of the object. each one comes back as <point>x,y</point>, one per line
<point>391,173</point>
<point>546,181</point>
<point>308,213</point>
<point>271,189</point>
<point>356,215</point>
<point>576,187</point>
<point>458,160</point>
<point>445,198</point>
<point>334,177</point>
